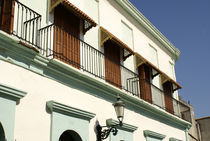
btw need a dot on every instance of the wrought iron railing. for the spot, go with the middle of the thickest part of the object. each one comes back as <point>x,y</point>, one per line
<point>157,96</point>
<point>24,22</point>
<point>57,43</point>
<point>175,107</point>
<point>133,86</point>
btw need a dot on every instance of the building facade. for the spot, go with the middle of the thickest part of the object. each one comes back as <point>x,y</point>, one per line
<point>64,62</point>
<point>203,125</point>
<point>194,133</point>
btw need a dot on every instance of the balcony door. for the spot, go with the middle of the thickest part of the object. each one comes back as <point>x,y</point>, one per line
<point>145,80</point>
<point>6,15</point>
<point>167,88</point>
<point>112,63</point>
<point>66,36</point>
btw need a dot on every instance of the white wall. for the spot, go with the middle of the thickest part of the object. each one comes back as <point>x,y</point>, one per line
<point>32,120</point>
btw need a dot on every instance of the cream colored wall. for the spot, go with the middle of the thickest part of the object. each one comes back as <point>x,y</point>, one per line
<point>32,120</point>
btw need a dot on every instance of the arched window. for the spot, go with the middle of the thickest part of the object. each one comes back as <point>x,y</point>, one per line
<point>2,136</point>
<point>70,135</point>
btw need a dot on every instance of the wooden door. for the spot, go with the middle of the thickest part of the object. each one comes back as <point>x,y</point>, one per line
<point>145,86</point>
<point>6,15</point>
<point>66,36</point>
<point>112,63</point>
<point>167,88</point>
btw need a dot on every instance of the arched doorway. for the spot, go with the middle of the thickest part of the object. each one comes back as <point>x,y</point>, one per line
<point>2,135</point>
<point>70,135</point>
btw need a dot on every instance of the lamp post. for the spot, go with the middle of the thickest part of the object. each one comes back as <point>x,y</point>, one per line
<point>119,109</point>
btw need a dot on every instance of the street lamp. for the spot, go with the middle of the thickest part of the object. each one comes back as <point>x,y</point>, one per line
<point>119,109</point>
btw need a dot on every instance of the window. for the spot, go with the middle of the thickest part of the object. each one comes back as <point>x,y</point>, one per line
<point>154,61</point>
<point>127,35</point>
<point>70,135</point>
<point>172,72</point>
<point>6,15</point>
<point>8,98</point>
<point>125,133</point>
<point>153,55</point>
<point>67,33</point>
<point>75,122</point>
<point>112,63</point>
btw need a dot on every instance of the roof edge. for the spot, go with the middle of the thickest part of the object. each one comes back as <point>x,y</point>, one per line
<point>140,18</point>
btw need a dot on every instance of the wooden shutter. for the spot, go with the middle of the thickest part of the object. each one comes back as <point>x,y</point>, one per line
<point>167,88</point>
<point>66,36</point>
<point>7,15</point>
<point>112,63</point>
<point>145,86</point>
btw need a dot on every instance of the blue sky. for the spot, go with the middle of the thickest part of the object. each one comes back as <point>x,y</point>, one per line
<point>186,23</point>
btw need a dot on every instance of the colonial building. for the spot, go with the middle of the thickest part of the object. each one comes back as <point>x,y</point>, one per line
<point>64,62</point>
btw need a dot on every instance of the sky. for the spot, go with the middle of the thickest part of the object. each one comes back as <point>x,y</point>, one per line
<point>186,23</point>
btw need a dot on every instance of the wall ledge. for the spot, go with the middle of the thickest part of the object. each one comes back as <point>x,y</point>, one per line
<point>127,127</point>
<point>11,93</point>
<point>148,133</point>
<point>68,110</point>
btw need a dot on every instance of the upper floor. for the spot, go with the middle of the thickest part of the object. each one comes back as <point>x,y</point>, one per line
<point>110,39</point>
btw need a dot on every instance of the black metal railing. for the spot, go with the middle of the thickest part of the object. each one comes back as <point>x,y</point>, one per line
<point>27,22</point>
<point>185,112</point>
<point>133,86</point>
<point>175,107</point>
<point>157,96</point>
<point>24,22</point>
<point>57,43</point>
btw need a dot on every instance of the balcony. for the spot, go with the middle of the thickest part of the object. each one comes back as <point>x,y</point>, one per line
<point>20,21</point>
<point>160,99</point>
<point>55,42</point>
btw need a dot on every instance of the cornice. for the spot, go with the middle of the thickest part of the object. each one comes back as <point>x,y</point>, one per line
<point>148,133</point>
<point>174,139</point>
<point>142,20</point>
<point>127,127</point>
<point>68,110</point>
<point>11,93</point>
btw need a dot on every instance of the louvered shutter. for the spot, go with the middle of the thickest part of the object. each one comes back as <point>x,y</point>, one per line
<point>112,63</point>
<point>167,88</point>
<point>66,36</point>
<point>145,87</point>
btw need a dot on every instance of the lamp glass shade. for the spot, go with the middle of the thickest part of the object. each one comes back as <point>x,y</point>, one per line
<point>119,112</point>
<point>119,109</point>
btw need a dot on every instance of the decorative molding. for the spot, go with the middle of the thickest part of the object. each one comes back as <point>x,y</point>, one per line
<point>148,133</point>
<point>142,20</point>
<point>61,108</point>
<point>174,139</point>
<point>11,93</point>
<point>127,127</point>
